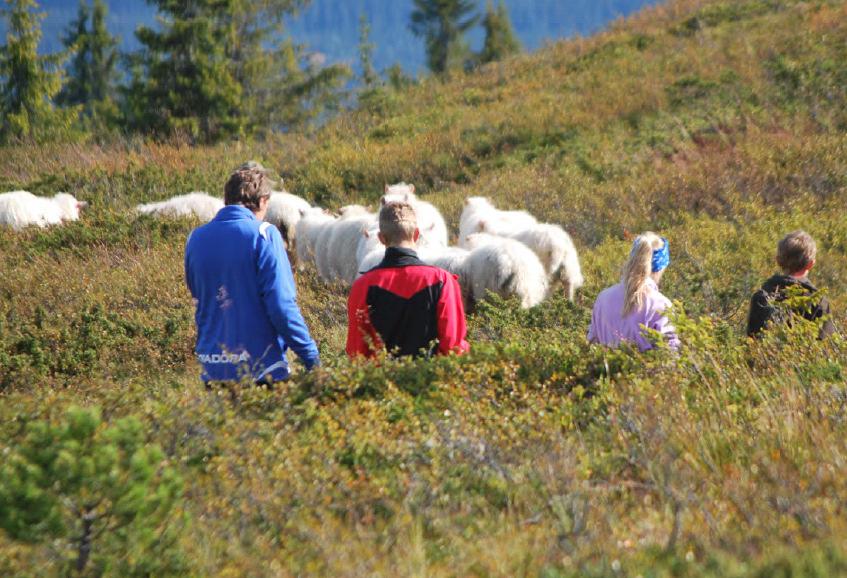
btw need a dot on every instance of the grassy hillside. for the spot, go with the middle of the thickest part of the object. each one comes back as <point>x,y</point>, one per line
<point>720,124</point>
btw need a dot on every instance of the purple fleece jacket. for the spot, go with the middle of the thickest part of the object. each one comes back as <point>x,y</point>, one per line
<point>609,327</point>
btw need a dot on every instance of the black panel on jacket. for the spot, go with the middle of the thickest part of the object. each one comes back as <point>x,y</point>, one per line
<point>406,326</point>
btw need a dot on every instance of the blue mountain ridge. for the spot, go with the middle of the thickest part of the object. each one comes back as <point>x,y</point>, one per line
<point>331,27</point>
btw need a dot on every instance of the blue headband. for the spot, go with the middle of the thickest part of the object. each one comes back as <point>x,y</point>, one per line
<point>661,257</point>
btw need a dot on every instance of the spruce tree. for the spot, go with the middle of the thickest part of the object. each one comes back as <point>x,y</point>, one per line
<point>92,73</point>
<point>183,82</point>
<point>283,87</point>
<point>369,77</point>
<point>29,82</point>
<point>218,68</point>
<point>443,24</point>
<point>500,40</point>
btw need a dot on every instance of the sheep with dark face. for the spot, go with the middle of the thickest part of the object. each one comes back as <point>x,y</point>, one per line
<point>19,209</point>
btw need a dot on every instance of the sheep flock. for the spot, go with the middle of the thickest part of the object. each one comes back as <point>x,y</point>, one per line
<point>508,253</point>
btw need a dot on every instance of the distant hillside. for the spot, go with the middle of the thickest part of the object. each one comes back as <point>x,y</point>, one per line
<point>332,27</point>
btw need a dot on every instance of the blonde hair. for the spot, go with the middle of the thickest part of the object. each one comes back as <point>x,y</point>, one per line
<point>796,251</point>
<point>637,270</point>
<point>397,222</point>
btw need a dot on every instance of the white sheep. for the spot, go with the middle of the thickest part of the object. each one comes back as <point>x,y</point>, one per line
<point>554,249</point>
<point>505,267</point>
<point>451,259</point>
<point>196,204</point>
<point>285,211</point>
<point>352,211</point>
<point>19,209</point>
<point>368,242</point>
<point>480,215</point>
<point>312,224</point>
<point>336,246</point>
<point>430,222</point>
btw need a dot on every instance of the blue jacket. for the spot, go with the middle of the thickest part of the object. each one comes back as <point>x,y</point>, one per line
<point>246,310</point>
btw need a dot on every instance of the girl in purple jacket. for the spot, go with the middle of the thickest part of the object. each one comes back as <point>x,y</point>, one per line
<point>623,311</point>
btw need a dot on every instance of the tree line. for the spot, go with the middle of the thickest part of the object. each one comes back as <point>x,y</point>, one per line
<point>211,69</point>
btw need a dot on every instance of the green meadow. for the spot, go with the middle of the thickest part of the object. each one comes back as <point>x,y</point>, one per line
<point>720,124</point>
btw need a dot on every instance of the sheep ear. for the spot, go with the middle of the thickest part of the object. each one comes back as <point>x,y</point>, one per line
<point>367,234</point>
<point>481,225</point>
<point>82,204</point>
<point>382,200</point>
<point>412,188</point>
<point>385,189</point>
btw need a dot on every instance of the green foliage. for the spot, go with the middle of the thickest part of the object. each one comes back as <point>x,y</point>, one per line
<point>184,83</point>
<point>442,24</point>
<point>28,81</point>
<point>500,40</point>
<point>90,491</point>
<point>369,76</point>
<point>218,70</point>
<point>92,75</point>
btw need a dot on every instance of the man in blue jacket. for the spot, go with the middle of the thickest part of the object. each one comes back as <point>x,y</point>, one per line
<point>239,275</point>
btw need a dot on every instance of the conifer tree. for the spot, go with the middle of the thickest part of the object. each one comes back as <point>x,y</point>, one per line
<point>183,81</point>
<point>92,73</point>
<point>29,82</point>
<point>93,491</point>
<point>500,40</point>
<point>369,77</point>
<point>282,85</point>
<point>443,24</point>
<point>218,68</point>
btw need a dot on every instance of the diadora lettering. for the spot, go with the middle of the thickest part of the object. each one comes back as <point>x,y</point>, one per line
<point>223,357</point>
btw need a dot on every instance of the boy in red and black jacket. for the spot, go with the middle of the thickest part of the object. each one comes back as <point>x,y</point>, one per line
<point>403,304</point>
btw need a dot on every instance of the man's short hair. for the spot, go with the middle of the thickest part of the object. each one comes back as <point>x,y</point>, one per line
<point>247,186</point>
<point>397,222</point>
<point>796,251</point>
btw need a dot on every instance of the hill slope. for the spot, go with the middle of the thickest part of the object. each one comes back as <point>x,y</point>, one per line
<point>721,124</point>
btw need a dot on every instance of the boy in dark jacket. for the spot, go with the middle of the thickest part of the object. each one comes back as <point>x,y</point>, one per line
<point>795,255</point>
<point>403,304</point>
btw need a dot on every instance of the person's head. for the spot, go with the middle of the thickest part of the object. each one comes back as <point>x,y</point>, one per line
<point>398,225</point>
<point>649,258</point>
<point>796,253</point>
<point>249,186</point>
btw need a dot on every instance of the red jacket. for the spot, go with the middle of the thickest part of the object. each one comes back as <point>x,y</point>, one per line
<point>406,306</point>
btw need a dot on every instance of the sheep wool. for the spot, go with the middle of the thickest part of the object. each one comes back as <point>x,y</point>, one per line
<point>285,211</point>
<point>480,215</point>
<point>431,223</point>
<point>505,267</point>
<point>554,247</point>
<point>197,204</point>
<point>19,209</point>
